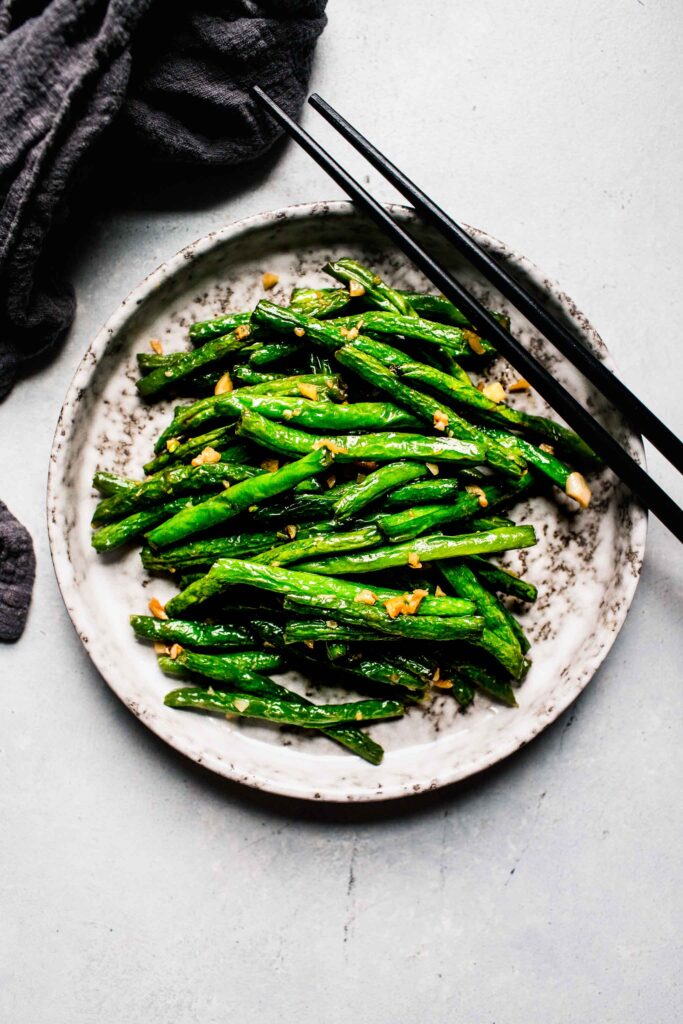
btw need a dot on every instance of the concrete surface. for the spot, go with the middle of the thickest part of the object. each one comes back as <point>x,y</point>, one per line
<point>137,888</point>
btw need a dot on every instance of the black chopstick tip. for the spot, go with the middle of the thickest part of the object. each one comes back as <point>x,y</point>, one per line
<point>258,93</point>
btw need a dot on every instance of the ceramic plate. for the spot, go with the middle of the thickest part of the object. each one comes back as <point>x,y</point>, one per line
<point>585,565</point>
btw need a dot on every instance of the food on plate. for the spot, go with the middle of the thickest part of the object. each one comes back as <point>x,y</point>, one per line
<point>328,499</point>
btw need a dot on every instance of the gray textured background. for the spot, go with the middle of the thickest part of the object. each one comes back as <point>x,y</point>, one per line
<point>134,887</point>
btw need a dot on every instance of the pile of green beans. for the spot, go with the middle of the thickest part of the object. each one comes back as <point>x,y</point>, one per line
<point>327,499</point>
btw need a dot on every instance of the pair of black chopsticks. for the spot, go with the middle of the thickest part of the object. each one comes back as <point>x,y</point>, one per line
<point>640,417</point>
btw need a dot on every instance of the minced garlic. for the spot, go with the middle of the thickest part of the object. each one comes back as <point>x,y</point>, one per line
<point>309,391</point>
<point>577,488</point>
<point>157,609</point>
<point>412,601</point>
<point>206,457</point>
<point>494,391</point>
<point>474,341</point>
<point>481,496</point>
<point>394,605</point>
<point>223,385</point>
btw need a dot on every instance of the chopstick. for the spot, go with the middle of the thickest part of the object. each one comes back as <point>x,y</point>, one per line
<point>642,486</point>
<point>602,378</point>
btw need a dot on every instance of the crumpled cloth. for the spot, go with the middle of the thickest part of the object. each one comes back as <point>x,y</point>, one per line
<point>148,80</point>
<point>17,572</point>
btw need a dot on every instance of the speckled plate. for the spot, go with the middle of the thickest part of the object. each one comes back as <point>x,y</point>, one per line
<point>586,565</point>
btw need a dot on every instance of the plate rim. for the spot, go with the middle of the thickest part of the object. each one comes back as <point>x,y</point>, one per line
<point>67,585</point>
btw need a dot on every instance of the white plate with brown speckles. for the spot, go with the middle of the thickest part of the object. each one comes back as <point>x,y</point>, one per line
<point>586,564</point>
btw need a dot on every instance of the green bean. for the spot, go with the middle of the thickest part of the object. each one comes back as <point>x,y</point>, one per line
<point>196,634</point>
<point>456,340</point>
<point>148,361</point>
<point>324,543</point>
<point>236,669</point>
<point>250,682</point>
<point>502,580</point>
<point>334,593</point>
<point>170,483</point>
<point>160,380</point>
<point>246,375</point>
<point>171,668</point>
<point>320,303</point>
<point>436,306</point>
<point>459,388</point>
<point>434,547</point>
<point>237,499</point>
<point>189,418</point>
<point>487,523</point>
<point>463,693</point>
<point>353,739</point>
<point>421,665</point>
<point>308,716</point>
<point>303,509</point>
<point>376,484</point>
<point>382,671</point>
<point>222,439</point>
<point>111,483</point>
<point>543,461</point>
<point>188,664</point>
<point>515,627</point>
<point>201,553</point>
<point>313,415</point>
<point>403,526</point>
<point>386,447</point>
<point>229,572</point>
<point>330,386</point>
<point>206,330</point>
<point>113,536</point>
<point>497,638</point>
<point>380,363</point>
<point>274,351</point>
<point>425,492</point>
<point>335,651</point>
<point>312,630</point>
<point>357,669</point>
<point>412,627</point>
<point>287,321</point>
<point>374,288</point>
<point>270,632</point>
<point>486,681</point>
